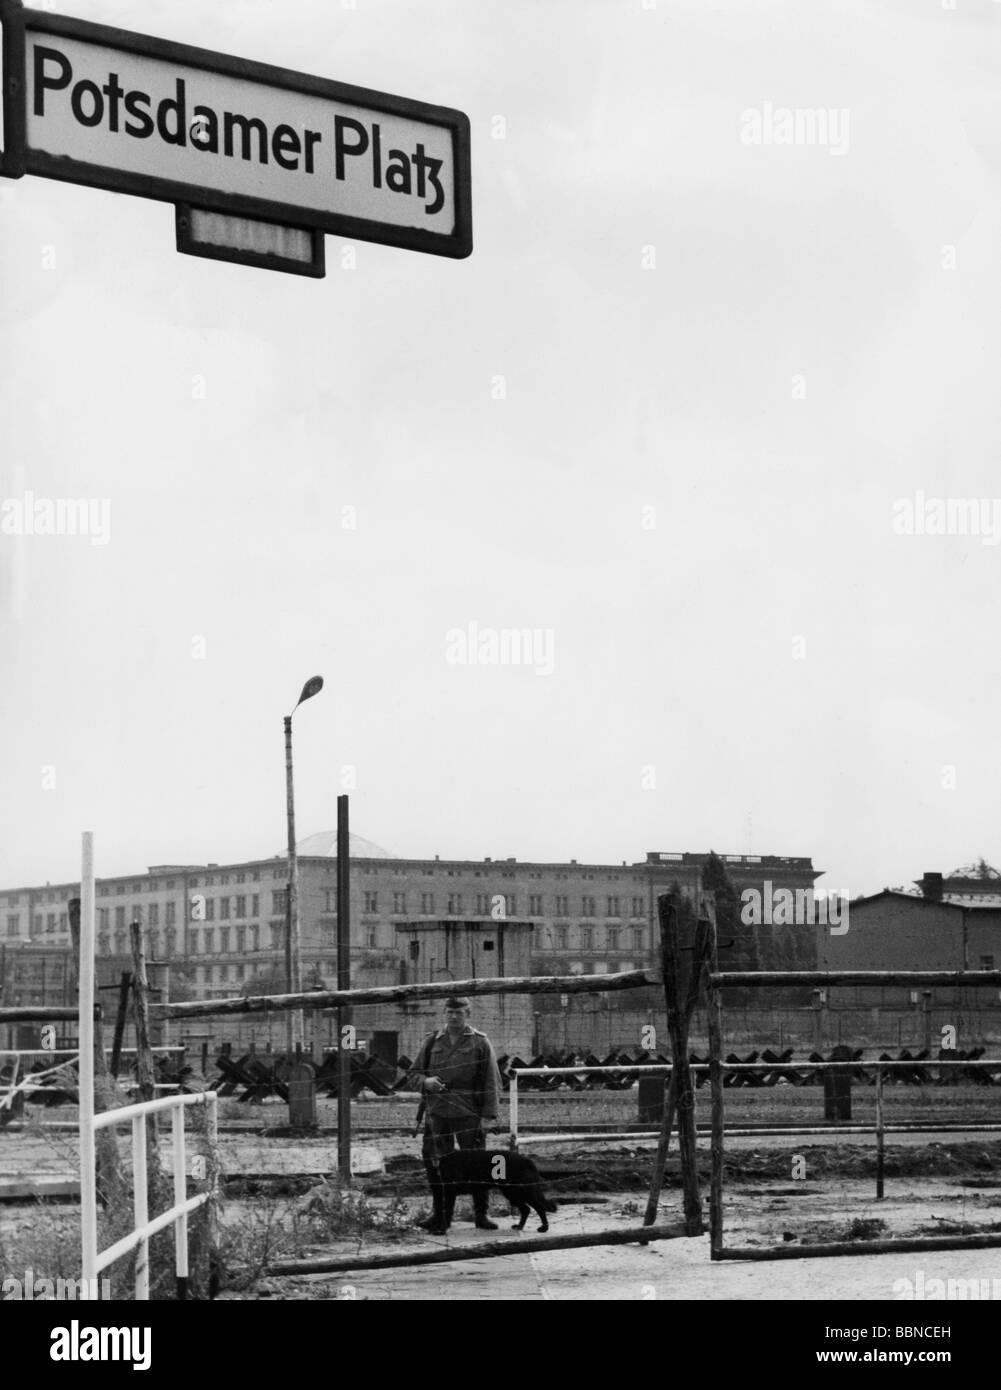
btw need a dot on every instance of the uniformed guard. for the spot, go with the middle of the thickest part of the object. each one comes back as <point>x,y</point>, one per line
<point>457,1074</point>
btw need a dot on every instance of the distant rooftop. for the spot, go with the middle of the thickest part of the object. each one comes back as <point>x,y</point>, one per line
<point>974,883</point>
<point>752,860</point>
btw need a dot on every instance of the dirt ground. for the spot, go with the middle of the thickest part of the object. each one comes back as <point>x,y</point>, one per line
<point>680,1269</point>
<point>779,1190</point>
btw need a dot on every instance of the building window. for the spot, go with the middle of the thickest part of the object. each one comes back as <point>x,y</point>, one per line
<point>509,901</point>
<point>13,925</point>
<point>986,962</point>
<point>119,916</point>
<point>210,909</point>
<point>399,902</point>
<point>223,908</point>
<point>612,938</point>
<point>170,942</point>
<point>562,908</point>
<point>587,938</point>
<point>330,900</point>
<point>561,935</point>
<point>370,934</point>
<point>241,878</point>
<point>241,906</point>
<point>278,900</point>
<point>255,939</point>
<point>154,944</point>
<point>50,921</point>
<point>482,904</point>
<point>171,913</point>
<point>638,934</point>
<point>255,906</point>
<point>209,939</point>
<point>371,902</point>
<point>102,918</point>
<point>535,905</point>
<point>613,907</point>
<point>241,940</point>
<point>587,909</point>
<point>454,904</point>
<point>427,903</point>
<point>224,941</point>
<point>154,914</point>
<point>277,935</point>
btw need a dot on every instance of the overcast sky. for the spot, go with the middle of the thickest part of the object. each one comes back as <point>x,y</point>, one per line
<point>663,414</point>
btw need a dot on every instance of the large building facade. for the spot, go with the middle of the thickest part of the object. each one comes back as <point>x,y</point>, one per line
<point>221,927</point>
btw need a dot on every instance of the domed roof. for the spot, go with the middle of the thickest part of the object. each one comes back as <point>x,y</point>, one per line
<point>324,845</point>
<point>979,869</point>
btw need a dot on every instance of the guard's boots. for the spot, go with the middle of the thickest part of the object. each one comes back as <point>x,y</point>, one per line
<point>480,1200</point>
<point>435,1223</point>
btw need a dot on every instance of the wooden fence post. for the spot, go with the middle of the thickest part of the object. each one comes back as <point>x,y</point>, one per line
<point>715,1022</point>
<point>123,1006</point>
<point>110,1179</point>
<point>684,1097</point>
<point>695,984</point>
<point>145,1073</point>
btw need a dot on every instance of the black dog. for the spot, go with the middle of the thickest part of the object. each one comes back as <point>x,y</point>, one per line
<point>475,1171</point>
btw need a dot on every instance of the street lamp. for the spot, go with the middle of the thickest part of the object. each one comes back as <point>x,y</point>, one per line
<point>293,965</point>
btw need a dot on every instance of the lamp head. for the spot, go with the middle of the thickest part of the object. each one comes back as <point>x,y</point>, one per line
<point>312,687</point>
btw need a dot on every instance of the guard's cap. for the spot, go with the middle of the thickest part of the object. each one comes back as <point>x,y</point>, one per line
<point>455,1001</point>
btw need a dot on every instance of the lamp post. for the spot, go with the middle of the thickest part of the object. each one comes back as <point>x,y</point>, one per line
<point>293,964</point>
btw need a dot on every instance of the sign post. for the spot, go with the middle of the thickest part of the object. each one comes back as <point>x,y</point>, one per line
<point>259,161</point>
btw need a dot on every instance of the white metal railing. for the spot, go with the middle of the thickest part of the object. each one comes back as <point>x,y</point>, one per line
<point>28,1083</point>
<point>95,1260</point>
<point>662,1067</point>
<point>666,1068</point>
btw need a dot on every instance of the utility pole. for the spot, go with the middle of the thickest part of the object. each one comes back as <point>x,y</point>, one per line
<point>293,962</point>
<point>343,982</point>
<point>293,965</point>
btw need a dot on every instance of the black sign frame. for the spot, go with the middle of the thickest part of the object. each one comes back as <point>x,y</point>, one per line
<point>18,159</point>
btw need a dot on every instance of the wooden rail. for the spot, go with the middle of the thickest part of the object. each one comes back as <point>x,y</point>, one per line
<point>401,994</point>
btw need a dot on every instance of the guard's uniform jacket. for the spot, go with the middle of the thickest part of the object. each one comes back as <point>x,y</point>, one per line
<point>468,1068</point>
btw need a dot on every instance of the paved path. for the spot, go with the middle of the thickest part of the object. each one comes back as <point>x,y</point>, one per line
<point>667,1270</point>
